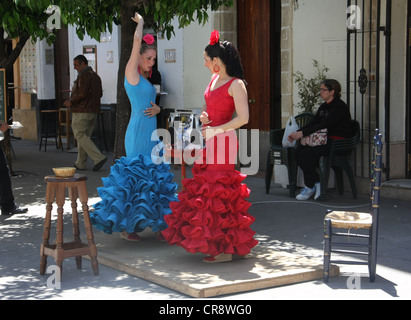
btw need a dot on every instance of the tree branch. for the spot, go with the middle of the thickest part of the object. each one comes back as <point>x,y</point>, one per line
<point>9,61</point>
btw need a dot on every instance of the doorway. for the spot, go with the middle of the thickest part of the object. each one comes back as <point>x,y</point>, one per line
<point>259,36</point>
<point>62,66</point>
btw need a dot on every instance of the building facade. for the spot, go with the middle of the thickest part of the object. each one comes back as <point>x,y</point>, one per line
<point>364,43</point>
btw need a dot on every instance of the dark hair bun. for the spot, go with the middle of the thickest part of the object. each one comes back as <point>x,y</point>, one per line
<point>230,56</point>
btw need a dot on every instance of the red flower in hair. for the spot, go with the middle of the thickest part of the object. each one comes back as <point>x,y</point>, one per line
<point>149,39</point>
<point>215,37</point>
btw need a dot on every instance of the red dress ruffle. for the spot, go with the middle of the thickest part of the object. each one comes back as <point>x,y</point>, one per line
<point>211,216</point>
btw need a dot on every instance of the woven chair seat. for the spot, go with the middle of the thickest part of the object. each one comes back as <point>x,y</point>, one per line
<point>348,219</point>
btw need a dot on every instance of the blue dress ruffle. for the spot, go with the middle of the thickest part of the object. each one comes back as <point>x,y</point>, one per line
<point>136,195</point>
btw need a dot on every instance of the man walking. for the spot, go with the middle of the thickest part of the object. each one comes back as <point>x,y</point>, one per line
<point>84,105</point>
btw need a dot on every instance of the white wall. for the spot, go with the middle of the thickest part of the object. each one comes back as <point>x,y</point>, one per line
<point>185,80</point>
<point>171,73</point>
<point>319,32</point>
<point>106,70</point>
<point>398,71</point>
<point>45,72</point>
<point>196,77</point>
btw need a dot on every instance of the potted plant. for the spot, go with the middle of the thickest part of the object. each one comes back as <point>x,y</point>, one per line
<point>309,88</point>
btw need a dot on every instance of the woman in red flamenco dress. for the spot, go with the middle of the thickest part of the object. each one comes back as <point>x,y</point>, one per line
<point>211,215</point>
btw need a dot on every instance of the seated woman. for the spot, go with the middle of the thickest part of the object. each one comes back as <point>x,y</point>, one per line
<point>332,115</point>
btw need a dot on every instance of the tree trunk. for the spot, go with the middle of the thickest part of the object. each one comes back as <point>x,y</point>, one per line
<point>8,60</point>
<point>3,53</point>
<point>123,104</point>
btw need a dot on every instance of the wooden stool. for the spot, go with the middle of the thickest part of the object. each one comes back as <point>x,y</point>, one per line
<point>56,189</point>
<point>65,125</point>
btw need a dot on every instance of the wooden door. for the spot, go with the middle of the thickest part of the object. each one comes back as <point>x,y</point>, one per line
<point>62,66</point>
<point>254,44</point>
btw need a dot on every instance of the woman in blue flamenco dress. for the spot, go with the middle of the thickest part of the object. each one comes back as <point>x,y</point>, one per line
<point>137,193</point>
<point>212,214</point>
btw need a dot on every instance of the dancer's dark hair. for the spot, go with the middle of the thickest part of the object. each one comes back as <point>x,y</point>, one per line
<point>229,55</point>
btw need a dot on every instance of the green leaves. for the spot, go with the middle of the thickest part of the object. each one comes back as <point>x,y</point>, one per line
<point>19,18</point>
<point>90,17</point>
<point>93,17</point>
<point>309,88</point>
<point>186,12</point>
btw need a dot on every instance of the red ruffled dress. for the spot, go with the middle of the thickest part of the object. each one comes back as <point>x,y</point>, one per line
<point>211,215</point>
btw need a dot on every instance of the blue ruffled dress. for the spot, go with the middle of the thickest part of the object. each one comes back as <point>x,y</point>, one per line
<point>137,193</point>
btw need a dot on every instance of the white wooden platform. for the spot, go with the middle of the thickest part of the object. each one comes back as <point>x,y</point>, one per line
<point>176,269</point>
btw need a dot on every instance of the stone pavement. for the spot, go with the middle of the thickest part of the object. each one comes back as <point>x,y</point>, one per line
<point>287,226</point>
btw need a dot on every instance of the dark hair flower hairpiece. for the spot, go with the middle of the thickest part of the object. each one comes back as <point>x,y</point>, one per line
<point>215,37</point>
<point>149,39</point>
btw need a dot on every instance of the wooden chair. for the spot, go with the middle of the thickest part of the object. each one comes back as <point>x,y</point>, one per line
<point>356,220</point>
<point>65,126</point>
<point>49,128</point>
<point>280,155</point>
<point>339,160</point>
